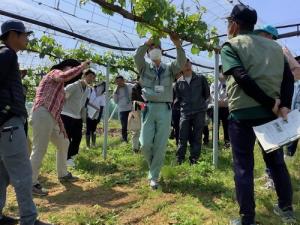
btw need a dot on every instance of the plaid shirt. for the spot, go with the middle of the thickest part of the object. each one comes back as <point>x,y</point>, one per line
<point>51,95</point>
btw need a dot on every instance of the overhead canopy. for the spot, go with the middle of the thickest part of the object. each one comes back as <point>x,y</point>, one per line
<point>71,23</point>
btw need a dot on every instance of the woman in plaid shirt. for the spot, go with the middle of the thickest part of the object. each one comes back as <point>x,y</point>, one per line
<point>46,121</point>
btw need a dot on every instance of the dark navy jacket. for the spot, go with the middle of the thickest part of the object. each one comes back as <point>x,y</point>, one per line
<point>192,97</point>
<point>11,88</point>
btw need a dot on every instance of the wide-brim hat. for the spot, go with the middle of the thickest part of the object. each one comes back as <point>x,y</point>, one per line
<point>66,63</point>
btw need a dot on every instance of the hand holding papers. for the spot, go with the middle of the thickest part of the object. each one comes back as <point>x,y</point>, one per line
<point>279,132</point>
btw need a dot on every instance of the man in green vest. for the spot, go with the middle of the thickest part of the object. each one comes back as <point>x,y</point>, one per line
<point>156,79</point>
<point>260,88</point>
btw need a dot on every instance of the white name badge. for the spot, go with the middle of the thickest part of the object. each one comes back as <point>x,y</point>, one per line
<point>159,88</point>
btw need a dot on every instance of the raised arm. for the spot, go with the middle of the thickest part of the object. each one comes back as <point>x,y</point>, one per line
<point>139,58</point>
<point>180,61</point>
<point>64,76</point>
<point>294,65</point>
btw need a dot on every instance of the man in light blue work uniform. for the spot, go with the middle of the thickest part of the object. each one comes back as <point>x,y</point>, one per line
<point>156,80</point>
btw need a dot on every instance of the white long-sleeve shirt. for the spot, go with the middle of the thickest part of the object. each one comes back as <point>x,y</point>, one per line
<point>75,98</point>
<point>122,97</point>
<point>97,101</point>
<point>222,94</point>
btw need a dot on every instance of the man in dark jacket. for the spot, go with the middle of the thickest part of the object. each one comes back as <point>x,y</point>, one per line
<point>192,91</point>
<point>15,166</point>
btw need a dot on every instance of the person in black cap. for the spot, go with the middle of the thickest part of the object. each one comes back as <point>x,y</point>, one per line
<point>15,166</point>
<point>257,82</point>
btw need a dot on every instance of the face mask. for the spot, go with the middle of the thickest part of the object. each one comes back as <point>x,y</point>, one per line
<point>155,54</point>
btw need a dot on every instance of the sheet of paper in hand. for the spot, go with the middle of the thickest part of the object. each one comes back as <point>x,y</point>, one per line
<point>277,133</point>
<point>92,110</point>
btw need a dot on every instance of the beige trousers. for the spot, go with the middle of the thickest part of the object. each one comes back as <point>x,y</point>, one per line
<point>45,129</point>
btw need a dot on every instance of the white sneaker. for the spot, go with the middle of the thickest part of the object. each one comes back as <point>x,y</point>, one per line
<point>70,163</point>
<point>153,184</point>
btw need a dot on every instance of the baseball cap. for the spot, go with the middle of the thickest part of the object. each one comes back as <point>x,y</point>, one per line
<point>13,25</point>
<point>244,14</point>
<point>268,29</point>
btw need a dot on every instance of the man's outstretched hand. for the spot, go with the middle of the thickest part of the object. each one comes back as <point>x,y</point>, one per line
<point>175,39</point>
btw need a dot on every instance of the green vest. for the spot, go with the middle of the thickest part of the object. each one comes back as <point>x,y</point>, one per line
<point>263,60</point>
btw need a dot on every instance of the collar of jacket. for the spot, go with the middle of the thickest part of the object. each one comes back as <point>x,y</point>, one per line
<point>162,65</point>
<point>194,75</point>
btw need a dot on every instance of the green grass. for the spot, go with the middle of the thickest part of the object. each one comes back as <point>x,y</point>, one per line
<point>116,191</point>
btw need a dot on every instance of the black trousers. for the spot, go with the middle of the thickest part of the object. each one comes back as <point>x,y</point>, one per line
<point>91,125</point>
<point>191,127</point>
<point>223,117</point>
<point>74,131</point>
<point>205,134</point>
<point>242,139</point>
<point>175,124</point>
<point>124,122</point>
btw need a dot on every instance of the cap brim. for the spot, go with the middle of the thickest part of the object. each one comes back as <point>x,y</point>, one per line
<point>26,32</point>
<point>29,32</point>
<point>226,18</point>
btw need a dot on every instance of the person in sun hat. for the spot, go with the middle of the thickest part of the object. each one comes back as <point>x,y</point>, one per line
<point>257,93</point>
<point>46,121</point>
<point>15,168</point>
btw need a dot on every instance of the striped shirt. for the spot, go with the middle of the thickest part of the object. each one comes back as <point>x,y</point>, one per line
<point>51,95</point>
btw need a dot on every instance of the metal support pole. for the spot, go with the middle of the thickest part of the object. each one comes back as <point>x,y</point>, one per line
<point>113,113</point>
<point>216,112</point>
<point>106,113</point>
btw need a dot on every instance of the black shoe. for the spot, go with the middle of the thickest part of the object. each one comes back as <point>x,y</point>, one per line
<point>7,220</point>
<point>135,150</point>
<point>68,178</point>
<point>205,142</point>
<point>227,144</point>
<point>38,190</point>
<point>193,161</point>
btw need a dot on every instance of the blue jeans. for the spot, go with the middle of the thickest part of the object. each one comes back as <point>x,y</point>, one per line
<point>15,169</point>
<point>242,139</point>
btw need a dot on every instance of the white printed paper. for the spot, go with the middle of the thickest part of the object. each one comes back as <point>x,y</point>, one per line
<point>278,132</point>
<point>92,110</point>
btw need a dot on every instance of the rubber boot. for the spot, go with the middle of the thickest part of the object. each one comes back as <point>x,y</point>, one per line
<point>93,140</point>
<point>88,140</point>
